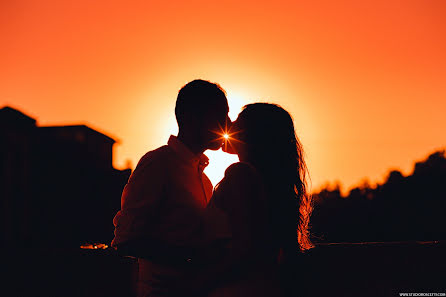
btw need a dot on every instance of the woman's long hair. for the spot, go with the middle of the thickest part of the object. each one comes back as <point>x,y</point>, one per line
<point>273,148</point>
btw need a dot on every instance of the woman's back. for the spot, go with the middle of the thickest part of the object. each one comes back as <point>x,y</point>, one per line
<point>242,197</point>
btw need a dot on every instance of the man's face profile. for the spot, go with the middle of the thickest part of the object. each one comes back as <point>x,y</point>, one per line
<point>202,114</point>
<point>215,122</point>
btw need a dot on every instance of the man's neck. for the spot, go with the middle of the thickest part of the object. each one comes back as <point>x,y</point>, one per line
<point>191,144</point>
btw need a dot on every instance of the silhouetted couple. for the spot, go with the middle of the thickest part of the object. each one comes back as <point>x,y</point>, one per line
<point>191,240</point>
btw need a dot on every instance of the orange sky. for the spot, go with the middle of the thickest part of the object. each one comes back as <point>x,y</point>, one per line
<point>364,80</point>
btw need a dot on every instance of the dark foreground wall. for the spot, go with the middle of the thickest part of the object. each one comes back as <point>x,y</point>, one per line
<point>328,270</point>
<point>374,269</point>
<point>67,273</point>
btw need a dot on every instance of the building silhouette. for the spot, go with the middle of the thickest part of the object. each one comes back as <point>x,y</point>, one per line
<point>58,186</point>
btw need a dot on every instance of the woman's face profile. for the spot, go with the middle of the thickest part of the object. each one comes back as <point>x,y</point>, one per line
<point>233,143</point>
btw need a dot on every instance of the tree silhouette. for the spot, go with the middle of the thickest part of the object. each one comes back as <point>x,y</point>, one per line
<point>402,208</point>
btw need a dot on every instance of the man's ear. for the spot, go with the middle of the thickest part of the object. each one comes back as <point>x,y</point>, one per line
<point>191,121</point>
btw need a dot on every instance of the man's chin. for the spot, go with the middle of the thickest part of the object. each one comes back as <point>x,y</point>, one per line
<point>214,146</point>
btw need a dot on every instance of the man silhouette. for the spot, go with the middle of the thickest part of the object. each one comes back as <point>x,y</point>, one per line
<point>160,221</point>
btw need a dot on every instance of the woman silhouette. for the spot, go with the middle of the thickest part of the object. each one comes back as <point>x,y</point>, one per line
<point>265,200</point>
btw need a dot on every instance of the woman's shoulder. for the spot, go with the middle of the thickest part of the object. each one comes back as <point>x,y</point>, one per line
<point>242,170</point>
<point>240,189</point>
<point>242,175</point>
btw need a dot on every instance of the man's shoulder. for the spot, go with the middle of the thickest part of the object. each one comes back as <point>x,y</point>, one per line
<point>154,160</point>
<point>155,156</point>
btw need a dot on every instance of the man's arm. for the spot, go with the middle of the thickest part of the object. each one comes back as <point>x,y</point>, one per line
<point>140,205</point>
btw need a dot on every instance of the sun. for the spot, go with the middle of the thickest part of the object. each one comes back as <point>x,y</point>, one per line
<point>219,160</point>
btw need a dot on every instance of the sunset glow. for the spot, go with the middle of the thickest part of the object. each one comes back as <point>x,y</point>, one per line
<point>219,160</point>
<point>363,80</point>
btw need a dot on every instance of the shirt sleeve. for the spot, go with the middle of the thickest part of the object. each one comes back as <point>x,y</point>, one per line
<point>140,202</point>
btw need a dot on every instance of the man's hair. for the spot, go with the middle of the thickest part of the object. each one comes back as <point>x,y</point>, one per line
<point>197,97</point>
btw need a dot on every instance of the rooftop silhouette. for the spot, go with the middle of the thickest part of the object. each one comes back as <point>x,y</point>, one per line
<point>58,183</point>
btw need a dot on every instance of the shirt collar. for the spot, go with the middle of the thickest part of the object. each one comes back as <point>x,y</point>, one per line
<point>184,153</point>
